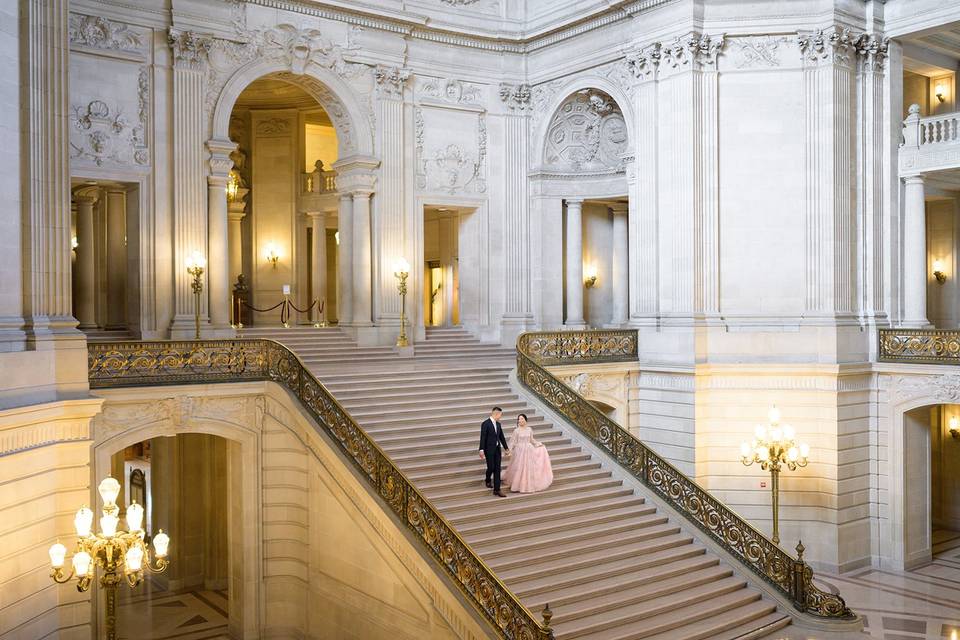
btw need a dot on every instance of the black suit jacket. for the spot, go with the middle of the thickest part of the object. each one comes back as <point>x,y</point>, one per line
<point>489,434</point>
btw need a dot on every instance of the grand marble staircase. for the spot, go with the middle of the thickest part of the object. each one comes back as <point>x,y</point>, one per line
<point>611,565</point>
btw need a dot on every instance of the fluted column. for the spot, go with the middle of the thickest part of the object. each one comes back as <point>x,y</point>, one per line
<point>84,304</point>
<point>345,260</point>
<point>914,253</point>
<point>620,276</point>
<point>318,269</point>
<point>189,191</point>
<point>46,173</point>
<point>574,286</point>
<point>218,262</point>
<point>362,311</point>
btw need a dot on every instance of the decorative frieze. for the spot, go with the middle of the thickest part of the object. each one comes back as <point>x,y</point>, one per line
<point>692,51</point>
<point>937,388</point>
<point>95,32</point>
<point>102,133</point>
<point>390,80</point>
<point>642,63</point>
<point>757,51</point>
<point>450,90</point>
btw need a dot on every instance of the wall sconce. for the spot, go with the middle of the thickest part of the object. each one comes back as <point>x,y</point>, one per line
<point>938,271</point>
<point>589,276</point>
<point>74,243</point>
<point>336,237</point>
<point>955,427</point>
<point>273,255</point>
<point>941,92</point>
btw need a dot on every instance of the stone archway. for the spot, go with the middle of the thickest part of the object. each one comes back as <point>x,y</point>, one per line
<point>128,417</point>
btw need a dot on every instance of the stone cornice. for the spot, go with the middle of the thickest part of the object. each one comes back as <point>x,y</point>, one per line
<point>416,26</point>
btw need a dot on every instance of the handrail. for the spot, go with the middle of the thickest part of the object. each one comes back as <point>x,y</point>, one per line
<point>148,363</point>
<point>922,346</point>
<point>790,576</point>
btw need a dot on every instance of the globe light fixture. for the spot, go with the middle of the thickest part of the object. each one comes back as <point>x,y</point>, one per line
<point>774,447</point>
<point>121,555</point>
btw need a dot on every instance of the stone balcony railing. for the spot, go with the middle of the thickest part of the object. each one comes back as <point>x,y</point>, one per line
<point>317,182</point>
<point>931,143</point>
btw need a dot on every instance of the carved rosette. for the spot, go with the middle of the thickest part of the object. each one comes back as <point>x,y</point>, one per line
<point>516,97</point>
<point>390,81</point>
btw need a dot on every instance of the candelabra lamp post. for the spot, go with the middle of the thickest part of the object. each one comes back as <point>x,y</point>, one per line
<point>195,265</point>
<point>121,555</point>
<point>773,448</point>
<point>402,272</point>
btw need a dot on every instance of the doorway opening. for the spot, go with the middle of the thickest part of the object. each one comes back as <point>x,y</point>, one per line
<point>932,487</point>
<point>105,232</point>
<point>441,276</point>
<point>183,484</point>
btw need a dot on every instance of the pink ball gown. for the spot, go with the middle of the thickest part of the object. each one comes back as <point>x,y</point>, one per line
<point>529,468</point>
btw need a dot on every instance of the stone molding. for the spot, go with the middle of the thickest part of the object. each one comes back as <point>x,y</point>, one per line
<point>941,388</point>
<point>95,32</point>
<point>41,425</point>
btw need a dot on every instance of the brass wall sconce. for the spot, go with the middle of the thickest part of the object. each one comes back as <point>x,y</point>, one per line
<point>233,186</point>
<point>590,276</point>
<point>940,91</point>
<point>938,271</point>
<point>74,243</point>
<point>273,256</point>
<point>954,427</point>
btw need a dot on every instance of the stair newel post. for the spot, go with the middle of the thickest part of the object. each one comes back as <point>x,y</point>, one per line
<point>547,616</point>
<point>800,579</point>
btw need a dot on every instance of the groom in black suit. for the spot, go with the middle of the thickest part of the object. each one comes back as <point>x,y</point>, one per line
<point>491,439</point>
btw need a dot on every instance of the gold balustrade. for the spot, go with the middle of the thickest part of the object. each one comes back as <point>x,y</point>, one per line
<point>790,576</point>
<point>124,364</point>
<point>922,346</point>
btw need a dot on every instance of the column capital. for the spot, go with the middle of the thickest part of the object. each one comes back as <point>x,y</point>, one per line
<point>517,97</point>
<point>917,178</point>
<point>315,215</point>
<point>620,208</point>
<point>87,194</point>
<point>190,49</point>
<point>236,216</point>
<point>574,201</point>
<point>390,80</point>
<point>220,161</point>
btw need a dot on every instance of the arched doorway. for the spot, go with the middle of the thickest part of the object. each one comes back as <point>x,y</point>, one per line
<point>584,151</point>
<point>283,205</point>
<point>198,487</point>
<point>183,485</point>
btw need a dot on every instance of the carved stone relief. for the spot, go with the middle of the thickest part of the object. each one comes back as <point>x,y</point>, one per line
<point>273,127</point>
<point>450,90</point>
<point>297,48</point>
<point>760,51</point>
<point>99,33</point>
<point>940,388</point>
<point>450,167</point>
<point>101,132</point>
<point>587,132</point>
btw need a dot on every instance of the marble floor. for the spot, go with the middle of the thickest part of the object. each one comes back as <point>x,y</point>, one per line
<point>910,605</point>
<point>156,614</point>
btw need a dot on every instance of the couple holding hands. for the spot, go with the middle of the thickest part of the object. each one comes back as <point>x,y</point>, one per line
<point>529,469</point>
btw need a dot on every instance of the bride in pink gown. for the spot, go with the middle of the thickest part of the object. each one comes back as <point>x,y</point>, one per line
<point>529,468</point>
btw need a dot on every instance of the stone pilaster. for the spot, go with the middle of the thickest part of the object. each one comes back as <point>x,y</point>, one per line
<point>690,62</point>
<point>391,243</point>
<point>345,259</point>
<point>189,191</point>
<point>828,93</point>
<point>620,282</point>
<point>642,224</point>
<point>47,304</point>
<point>914,253</point>
<point>318,266</point>
<point>873,156</point>
<point>218,262</point>
<point>517,269</point>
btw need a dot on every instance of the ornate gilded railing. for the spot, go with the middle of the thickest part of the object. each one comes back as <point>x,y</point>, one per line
<point>923,346</point>
<point>122,364</point>
<point>791,576</point>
